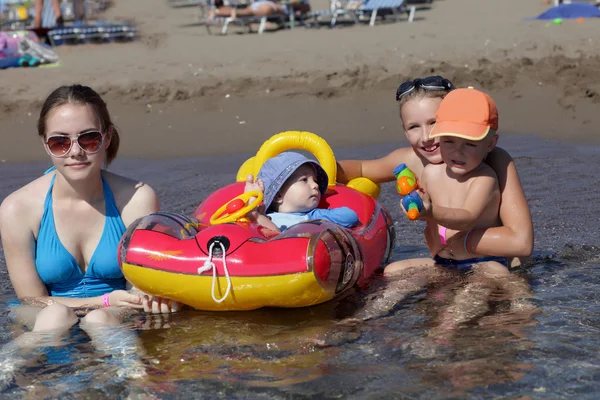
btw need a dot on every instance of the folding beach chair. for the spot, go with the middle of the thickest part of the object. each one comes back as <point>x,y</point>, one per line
<point>337,9</point>
<point>93,32</point>
<point>245,21</point>
<point>185,3</point>
<point>384,7</point>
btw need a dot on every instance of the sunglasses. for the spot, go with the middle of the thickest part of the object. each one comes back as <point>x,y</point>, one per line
<point>90,142</point>
<point>429,83</point>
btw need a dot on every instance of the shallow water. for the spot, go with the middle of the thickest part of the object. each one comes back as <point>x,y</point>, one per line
<point>550,354</point>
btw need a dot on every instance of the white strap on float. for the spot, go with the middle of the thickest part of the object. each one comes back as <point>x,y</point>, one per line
<point>208,264</point>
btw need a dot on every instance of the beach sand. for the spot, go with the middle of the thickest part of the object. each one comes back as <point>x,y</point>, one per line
<point>206,95</point>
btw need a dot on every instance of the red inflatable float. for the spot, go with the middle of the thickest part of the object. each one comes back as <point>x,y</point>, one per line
<point>241,266</point>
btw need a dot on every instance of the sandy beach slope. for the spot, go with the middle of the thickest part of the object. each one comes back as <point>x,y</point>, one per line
<point>214,94</point>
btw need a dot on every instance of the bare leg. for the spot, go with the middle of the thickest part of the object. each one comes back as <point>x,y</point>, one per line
<point>57,12</point>
<point>402,282</point>
<point>472,301</point>
<point>37,19</point>
<point>400,267</point>
<point>224,11</point>
<point>103,326</point>
<point>49,324</point>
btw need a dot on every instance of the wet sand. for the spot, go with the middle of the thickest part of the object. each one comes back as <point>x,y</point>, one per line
<point>222,95</point>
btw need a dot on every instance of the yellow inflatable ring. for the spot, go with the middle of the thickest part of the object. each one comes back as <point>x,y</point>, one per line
<point>291,140</point>
<point>304,141</point>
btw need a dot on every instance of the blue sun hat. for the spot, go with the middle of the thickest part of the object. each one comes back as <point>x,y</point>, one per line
<point>276,170</point>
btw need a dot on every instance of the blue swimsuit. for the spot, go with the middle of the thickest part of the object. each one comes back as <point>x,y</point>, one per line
<point>59,270</point>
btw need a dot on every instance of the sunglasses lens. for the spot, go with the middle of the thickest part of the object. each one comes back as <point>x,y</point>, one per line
<point>90,142</point>
<point>59,145</point>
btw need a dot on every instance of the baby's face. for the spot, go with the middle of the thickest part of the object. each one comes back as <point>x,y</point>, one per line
<point>300,192</point>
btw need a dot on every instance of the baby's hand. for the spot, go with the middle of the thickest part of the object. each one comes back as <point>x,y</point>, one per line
<point>252,185</point>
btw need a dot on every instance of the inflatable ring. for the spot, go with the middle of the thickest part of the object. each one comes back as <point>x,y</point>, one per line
<point>292,140</point>
<point>366,186</point>
<point>304,141</point>
<point>241,266</point>
<point>223,215</point>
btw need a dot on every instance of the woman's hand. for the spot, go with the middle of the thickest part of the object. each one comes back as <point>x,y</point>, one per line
<point>122,298</point>
<point>160,305</point>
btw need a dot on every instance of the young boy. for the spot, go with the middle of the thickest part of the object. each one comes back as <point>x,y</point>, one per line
<point>293,186</point>
<point>462,193</point>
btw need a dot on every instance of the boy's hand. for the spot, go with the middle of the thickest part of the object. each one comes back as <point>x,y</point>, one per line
<point>426,212</point>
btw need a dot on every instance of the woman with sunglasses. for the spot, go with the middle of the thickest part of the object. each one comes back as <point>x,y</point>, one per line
<point>419,101</point>
<point>60,233</point>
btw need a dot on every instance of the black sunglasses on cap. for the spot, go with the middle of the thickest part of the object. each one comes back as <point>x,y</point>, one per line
<point>430,83</point>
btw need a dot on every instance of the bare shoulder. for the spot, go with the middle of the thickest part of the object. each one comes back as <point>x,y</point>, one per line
<point>25,205</point>
<point>434,170</point>
<point>134,198</point>
<point>498,159</point>
<point>485,170</point>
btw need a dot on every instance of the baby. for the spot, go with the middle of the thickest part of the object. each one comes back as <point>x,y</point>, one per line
<point>293,186</point>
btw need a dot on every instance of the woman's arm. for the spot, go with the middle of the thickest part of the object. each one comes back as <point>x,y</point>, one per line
<point>378,170</point>
<point>515,237</point>
<point>18,243</point>
<point>144,201</point>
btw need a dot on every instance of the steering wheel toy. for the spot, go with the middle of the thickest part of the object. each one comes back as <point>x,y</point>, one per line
<point>236,208</point>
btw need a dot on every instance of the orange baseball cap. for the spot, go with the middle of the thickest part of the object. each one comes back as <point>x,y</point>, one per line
<point>466,113</point>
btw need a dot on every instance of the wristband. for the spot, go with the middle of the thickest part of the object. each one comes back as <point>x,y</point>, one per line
<point>105,300</point>
<point>465,242</point>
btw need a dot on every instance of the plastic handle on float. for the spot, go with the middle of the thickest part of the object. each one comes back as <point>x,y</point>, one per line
<point>312,143</point>
<point>301,141</point>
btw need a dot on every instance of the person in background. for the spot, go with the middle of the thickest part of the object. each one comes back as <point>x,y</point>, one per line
<point>48,14</point>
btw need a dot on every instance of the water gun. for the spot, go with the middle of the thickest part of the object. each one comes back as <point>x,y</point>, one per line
<point>406,185</point>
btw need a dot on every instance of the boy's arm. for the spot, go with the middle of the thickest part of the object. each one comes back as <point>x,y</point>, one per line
<point>462,219</point>
<point>343,216</point>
